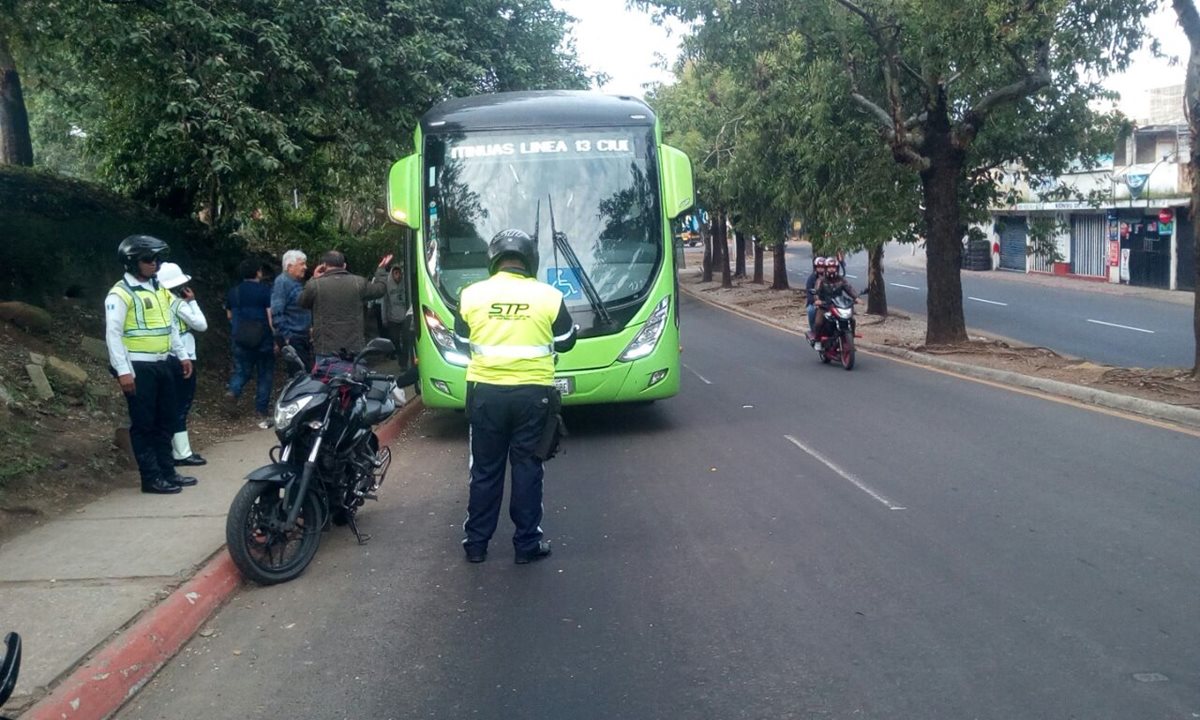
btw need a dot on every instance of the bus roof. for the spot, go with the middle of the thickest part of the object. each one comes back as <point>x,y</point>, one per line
<point>546,108</point>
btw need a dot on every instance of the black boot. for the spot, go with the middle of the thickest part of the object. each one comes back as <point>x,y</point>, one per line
<point>183,481</point>
<point>160,487</point>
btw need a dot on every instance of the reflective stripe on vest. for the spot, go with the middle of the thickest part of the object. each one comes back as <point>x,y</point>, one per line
<point>511,319</point>
<point>148,327</point>
<point>516,352</point>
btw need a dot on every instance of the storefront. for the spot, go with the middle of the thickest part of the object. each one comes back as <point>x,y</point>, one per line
<point>1147,238</point>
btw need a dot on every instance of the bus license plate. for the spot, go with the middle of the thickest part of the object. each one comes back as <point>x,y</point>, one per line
<point>565,385</point>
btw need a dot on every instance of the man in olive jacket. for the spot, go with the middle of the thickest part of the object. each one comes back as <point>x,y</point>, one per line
<point>336,299</point>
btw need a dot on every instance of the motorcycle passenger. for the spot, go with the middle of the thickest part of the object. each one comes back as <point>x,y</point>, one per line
<point>828,287</point>
<point>514,325</point>
<point>809,284</point>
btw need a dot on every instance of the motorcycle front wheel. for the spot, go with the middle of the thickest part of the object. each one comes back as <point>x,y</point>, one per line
<point>265,554</point>
<point>846,352</point>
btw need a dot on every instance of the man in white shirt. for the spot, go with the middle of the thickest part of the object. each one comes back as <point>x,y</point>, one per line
<point>142,334</point>
<point>191,320</point>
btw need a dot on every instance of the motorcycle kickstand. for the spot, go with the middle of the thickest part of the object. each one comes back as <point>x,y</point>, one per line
<point>362,538</point>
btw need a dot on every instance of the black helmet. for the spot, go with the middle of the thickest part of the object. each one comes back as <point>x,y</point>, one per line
<point>136,247</point>
<point>513,243</point>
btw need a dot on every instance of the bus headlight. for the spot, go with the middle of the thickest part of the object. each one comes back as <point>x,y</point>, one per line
<point>647,339</point>
<point>444,340</point>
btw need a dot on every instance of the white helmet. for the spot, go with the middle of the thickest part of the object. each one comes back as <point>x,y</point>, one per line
<point>171,275</point>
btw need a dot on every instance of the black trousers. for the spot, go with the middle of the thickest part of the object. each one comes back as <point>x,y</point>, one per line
<point>153,416</point>
<point>506,425</point>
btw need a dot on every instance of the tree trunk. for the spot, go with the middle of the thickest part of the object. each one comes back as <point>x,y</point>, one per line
<point>706,265</point>
<point>723,246</point>
<point>1189,19</point>
<point>739,249</point>
<point>759,251</point>
<point>876,288</point>
<point>943,240</point>
<point>16,145</point>
<point>780,279</point>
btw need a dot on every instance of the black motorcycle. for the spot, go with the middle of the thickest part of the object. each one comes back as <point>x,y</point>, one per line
<point>327,464</point>
<point>10,667</point>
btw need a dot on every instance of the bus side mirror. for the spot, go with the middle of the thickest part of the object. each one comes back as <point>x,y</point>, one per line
<point>404,192</point>
<point>678,191</point>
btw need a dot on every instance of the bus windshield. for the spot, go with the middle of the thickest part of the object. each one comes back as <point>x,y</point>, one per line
<point>602,185</point>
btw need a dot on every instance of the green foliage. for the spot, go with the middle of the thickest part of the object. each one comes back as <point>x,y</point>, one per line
<point>231,105</point>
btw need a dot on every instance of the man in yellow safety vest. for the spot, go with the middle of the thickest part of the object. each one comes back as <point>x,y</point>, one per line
<point>146,354</point>
<point>513,325</point>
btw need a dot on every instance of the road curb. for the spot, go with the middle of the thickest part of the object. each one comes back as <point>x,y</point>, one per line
<point>1188,417</point>
<point>109,678</point>
<point>97,688</point>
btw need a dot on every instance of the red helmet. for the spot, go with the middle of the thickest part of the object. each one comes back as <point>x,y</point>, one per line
<point>821,262</point>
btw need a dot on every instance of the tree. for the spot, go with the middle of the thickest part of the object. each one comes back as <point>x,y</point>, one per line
<point>1189,18</point>
<point>954,89</point>
<point>236,104</point>
<point>16,144</point>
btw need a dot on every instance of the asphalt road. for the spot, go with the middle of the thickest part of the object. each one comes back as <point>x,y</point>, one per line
<point>1111,329</point>
<point>782,540</point>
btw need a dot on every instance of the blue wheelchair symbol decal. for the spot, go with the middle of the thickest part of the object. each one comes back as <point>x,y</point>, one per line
<point>566,281</point>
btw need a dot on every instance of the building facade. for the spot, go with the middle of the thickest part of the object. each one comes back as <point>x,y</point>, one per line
<point>1135,226</point>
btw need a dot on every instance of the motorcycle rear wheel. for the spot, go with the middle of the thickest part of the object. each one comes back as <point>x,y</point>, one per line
<point>261,553</point>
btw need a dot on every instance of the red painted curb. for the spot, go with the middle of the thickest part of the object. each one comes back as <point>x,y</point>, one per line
<point>99,687</point>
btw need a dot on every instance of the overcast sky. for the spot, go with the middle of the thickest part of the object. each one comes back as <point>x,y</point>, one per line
<point>624,44</point>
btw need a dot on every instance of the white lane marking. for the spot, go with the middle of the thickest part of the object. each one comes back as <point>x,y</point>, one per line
<point>704,379</point>
<point>852,277</point>
<point>1123,327</point>
<point>853,480</point>
<point>989,302</point>
<point>909,287</point>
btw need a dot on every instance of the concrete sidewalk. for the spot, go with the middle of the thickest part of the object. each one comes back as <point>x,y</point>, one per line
<point>103,597</point>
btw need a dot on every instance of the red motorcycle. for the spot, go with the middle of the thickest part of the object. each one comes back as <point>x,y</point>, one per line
<point>837,332</point>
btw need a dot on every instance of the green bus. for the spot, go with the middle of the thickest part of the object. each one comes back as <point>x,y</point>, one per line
<point>586,175</point>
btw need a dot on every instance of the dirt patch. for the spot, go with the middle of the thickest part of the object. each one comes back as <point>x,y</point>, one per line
<point>1175,386</point>
<point>57,455</point>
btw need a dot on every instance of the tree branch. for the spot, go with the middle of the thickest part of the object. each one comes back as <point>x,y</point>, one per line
<point>886,121</point>
<point>1189,18</point>
<point>1033,82</point>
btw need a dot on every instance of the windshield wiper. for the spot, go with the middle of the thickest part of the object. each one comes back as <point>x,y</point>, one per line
<point>563,245</point>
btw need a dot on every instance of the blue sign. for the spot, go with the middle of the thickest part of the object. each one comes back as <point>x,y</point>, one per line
<point>567,282</point>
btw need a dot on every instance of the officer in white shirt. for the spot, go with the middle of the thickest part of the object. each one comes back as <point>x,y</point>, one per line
<point>145,354</point>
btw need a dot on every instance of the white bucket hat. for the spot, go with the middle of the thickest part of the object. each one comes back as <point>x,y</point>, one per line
<point>171,275</point>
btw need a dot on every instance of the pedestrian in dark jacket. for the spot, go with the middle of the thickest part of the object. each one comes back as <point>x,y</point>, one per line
<point>336,299</point>
<point>248,307</point>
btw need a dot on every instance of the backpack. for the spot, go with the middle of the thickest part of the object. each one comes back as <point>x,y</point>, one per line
<point>249,334</point>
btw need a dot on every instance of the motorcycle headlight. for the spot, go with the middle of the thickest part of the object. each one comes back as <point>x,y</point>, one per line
<point>285,413</point>
<point>844,313</point>
<point>647,339</point>
<point>444,340</point>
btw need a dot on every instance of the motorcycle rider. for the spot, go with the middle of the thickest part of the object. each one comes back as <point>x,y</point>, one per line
<point>828,286</point>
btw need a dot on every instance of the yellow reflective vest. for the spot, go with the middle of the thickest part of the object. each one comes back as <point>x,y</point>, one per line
<point>511,318</point>
<point>148,318</point>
